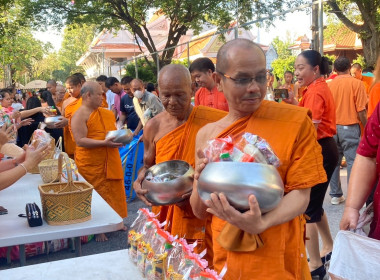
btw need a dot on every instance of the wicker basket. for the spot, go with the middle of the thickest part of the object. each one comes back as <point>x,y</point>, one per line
<point>49,170</point>
<point>66,203</point>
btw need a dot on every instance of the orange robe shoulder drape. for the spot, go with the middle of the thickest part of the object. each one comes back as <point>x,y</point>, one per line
<point>180,144</point>
<point>290,132</point>
<point>68,139</point>
<point>101,166</point>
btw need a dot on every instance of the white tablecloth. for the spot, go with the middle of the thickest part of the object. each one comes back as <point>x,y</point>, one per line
<point>112,265</point>
<point>15,230</point>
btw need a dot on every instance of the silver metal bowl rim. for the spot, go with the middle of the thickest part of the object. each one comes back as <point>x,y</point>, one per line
<point>189,171</point>
<point>52,119</point>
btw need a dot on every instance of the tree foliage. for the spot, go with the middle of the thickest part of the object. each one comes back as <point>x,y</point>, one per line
<point>18,48</point>
<point>145,72</point>
<point>182,15</point>
<point>76,41</point>
<point>281,65</point>
<point>362,17</point>
<point>282,47</point>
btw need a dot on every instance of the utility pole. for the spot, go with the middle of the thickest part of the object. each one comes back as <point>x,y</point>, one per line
<point>314,26</point>
<point>320,30</point>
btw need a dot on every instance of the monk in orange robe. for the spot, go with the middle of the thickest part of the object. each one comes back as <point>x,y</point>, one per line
<point>97,158</point>
<point>289,130</point>
<point>60,95</point>
<point>356,72</point>
<point>171,135</point>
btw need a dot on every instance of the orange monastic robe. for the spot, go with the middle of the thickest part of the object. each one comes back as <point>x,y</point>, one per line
<point>180,144</point>
<point>104,101</point>
<point>290,132</point>
<point>101,167</point>
<point>374,98</point>
<point>68,139</point>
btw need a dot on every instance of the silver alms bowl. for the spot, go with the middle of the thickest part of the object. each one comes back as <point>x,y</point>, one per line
<point>123,136</point>
<point>52,120</point>
<point>238,180</point>
<point>176,178</point>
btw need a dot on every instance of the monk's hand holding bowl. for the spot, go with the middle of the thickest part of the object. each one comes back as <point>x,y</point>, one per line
<point>62,123</point>
<point>108,142</point>
<point>251,221</point>
<point>140,192</point>
<point>203,161</point>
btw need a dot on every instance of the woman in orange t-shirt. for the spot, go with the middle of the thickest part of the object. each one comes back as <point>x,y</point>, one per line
<point>310,67</point>
<point>374,90</point>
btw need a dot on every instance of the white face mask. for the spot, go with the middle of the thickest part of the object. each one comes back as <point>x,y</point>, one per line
<point>138,94</point>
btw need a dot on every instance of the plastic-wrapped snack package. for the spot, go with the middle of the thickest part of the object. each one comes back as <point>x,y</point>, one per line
<point>209,274</point>
<point>40,138</point>
<point>135,231</point>
<point>216,147</point>
<point>178,252</point>
<point>155,266</point>
<point>258,148</point>
<point>192,264</point>
<point>267,151</point>
<point>144,243</point>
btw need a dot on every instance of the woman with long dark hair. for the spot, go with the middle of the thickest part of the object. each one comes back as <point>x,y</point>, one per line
<point>310,68</point>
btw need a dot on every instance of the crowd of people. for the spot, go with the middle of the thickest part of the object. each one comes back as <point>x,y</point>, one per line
<point>323,118</point>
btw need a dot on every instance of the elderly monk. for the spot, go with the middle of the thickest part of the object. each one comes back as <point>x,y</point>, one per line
<point>252,244</point>
<point>97,158</point>
<point>171,135</point>
<point>60,96</point>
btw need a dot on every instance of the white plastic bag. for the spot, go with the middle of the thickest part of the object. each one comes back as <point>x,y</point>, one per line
<point>356,256</point>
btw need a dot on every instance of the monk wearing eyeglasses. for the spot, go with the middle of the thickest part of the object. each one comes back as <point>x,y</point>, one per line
<point>171,135</point>
<point>255,245</point>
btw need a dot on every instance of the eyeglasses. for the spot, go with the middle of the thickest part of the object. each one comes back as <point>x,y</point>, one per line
<point>244,82</point>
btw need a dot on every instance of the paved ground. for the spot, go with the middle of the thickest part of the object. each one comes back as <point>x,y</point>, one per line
<point>118,240</point>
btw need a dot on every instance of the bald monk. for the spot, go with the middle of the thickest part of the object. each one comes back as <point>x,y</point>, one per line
<point>171,135</point>
<point>356,72</point>
<point>97,158</point>
<point>60,96</point>
<point>290,132</point>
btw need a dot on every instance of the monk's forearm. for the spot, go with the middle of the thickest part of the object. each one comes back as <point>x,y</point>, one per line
<point>197,205</point>
<point>90,143</point>
<point>292,205</point>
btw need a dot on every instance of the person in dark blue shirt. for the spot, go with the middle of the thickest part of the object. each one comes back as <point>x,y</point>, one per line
<point>128,113</point>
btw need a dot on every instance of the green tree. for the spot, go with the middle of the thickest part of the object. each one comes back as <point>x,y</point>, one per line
<point>145,72</point>
<point>76,40</point>
<point>362,17</point>
<point>18,48</point>
<point>281,65</point>
<point>44,68</point>
<point>282,47</point>
<point>182,15</point>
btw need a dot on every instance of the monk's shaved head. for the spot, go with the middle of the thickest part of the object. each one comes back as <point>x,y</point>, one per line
<point>230,48</point>
<point>89,88</point>
<point>174,71</point>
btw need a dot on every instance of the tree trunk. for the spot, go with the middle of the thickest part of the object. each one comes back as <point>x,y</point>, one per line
<point>371,47</point>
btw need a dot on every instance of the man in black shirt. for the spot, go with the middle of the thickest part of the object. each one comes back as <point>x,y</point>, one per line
<point>128,113</point>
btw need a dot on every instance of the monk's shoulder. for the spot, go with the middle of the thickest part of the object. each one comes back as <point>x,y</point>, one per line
<point>284,112</point>
<point>209,114</point>
<point>153,125</point>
